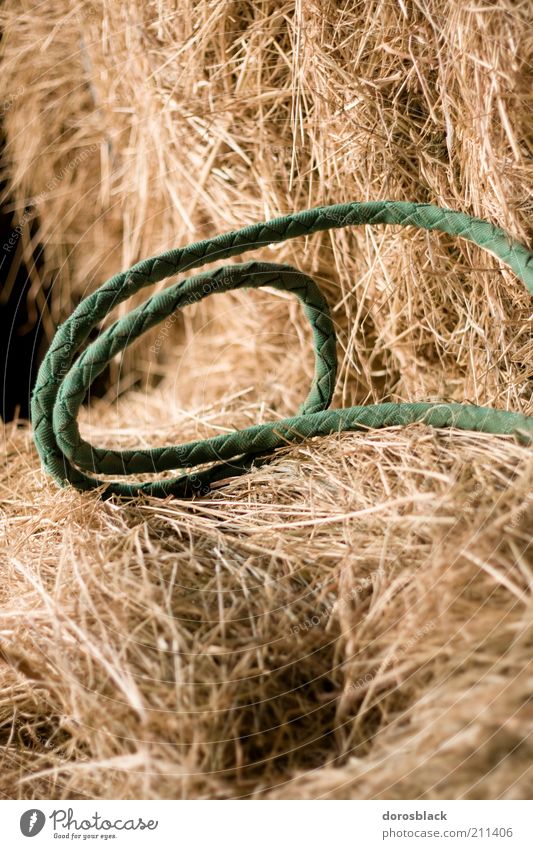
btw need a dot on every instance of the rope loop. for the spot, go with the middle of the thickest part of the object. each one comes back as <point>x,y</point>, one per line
<point>66,375</point>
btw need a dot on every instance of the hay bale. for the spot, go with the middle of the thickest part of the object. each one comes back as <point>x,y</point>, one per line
<point>141,126</point>
<point>352,620</point>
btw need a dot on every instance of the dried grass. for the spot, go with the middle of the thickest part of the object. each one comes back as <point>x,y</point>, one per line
<point>353,620</point>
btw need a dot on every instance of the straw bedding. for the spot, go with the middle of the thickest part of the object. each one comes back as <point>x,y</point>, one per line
<point>355,618</point>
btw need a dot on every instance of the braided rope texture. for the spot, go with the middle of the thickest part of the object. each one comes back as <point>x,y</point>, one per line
<point>63,379</point>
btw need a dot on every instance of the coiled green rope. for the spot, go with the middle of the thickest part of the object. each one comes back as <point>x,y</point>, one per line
<point>63,381</point>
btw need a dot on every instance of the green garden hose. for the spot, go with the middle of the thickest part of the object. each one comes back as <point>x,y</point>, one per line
<point>63,380</point>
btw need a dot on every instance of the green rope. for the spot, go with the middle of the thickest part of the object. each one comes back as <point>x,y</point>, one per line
<point>63,381</point>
